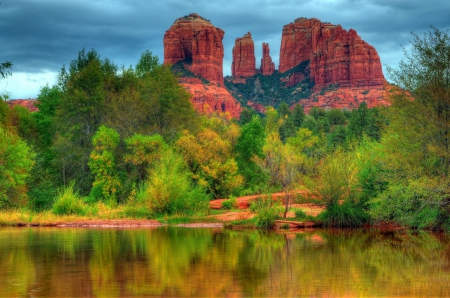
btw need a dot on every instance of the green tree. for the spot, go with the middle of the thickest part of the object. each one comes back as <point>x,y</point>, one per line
<point>209,159</point>
<point>16,161</point>
<point>249,145</point>
<point>143,151</point>
<point>298,115</point>
<point>169,188</point>
<point>425,74</point>
<point>102,165</point>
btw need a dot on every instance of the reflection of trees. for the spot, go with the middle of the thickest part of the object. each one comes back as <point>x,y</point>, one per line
<point>200,262</point>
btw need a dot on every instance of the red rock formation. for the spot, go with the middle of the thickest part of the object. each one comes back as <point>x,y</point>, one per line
<point>208,99</point>
<point>336,56</point>
<point>30,104</point>
<point>243,64</point>
<point>267,66</point>
<point>198,44</point>
<point>349,97</point>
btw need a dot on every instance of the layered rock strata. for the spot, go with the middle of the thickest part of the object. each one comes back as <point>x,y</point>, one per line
<point>244,61</point>
<point>267,66</point>
<point>336,56</point>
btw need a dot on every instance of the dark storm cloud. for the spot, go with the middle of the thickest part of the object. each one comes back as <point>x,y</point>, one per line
<point>41,36</point>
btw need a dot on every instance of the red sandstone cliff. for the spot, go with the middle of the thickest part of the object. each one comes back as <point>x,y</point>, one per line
<point>267,66</point>
<point>195,42</point>
<point>243,64</point>
<point>208,99</point>
<point>336,56</point>
<point>198,44</point>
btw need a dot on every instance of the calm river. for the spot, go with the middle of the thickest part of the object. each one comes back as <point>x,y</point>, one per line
<point>184,262</point>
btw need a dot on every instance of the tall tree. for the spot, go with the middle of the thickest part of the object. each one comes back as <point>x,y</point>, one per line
<point>425,74</point>
<point>16,161</point>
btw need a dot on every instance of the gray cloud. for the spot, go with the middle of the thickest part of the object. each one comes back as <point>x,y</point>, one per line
<point>41,36</point>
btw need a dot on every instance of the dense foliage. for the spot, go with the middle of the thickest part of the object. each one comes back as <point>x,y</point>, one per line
<point>130,137</point>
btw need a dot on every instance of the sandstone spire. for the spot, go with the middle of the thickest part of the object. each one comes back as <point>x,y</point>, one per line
<point>243,64</point>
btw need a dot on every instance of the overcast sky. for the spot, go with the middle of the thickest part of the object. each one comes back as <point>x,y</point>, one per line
<point>39,36</point>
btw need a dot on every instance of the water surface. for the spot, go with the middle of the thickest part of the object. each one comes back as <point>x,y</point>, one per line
<point>184,262</point>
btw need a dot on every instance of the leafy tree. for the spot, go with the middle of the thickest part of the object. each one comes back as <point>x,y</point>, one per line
<point>16,161</point>
<point>101,163</point>
<point>359,121</point>
<point>169,189</point>
<point>336,117</point>
<point>86,88</point>
<point>425,74</point>
<point>298,115</point>
<point>246,115</point>
<point>143,151</point>
<point>167,105</point>
<point>209,159</point>
<point>338,137</point>
<point>283,111</point>
<point>283,162</point>
<point>47,103</point>
<point>249,145</point>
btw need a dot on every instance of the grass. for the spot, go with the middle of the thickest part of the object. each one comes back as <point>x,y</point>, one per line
<point>241,224</point>
<point>345,215</point>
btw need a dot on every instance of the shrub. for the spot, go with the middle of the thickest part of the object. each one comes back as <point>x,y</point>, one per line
<point>169,189</point>
<point>343,216</point>
<point>267,212</point>
<point>229,203</point>
<point>68,202</point>
<point>299,213</point>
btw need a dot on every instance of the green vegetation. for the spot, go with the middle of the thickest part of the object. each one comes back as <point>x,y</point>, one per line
<point>126,142</point>
<point>272,90</point>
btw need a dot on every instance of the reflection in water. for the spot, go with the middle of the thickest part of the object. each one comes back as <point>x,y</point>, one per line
<point>184,262</point>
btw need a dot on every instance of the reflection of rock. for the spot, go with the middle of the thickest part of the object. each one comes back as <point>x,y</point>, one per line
<point>208,99</point>
<point>267,66</point>
<point>243,64</point>
<point>30,104</point>
<point>195,41</point>
<point>336,56</point>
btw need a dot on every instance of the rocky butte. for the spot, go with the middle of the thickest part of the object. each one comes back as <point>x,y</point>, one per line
<point>336,56</point>
<point>244,61</point>
<point>322,65</point>
<point>195,45</point>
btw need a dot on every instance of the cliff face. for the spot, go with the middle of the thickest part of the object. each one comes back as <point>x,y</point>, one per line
<point>243,64</point>
<point>336,56</point>
<point>267,66</point>
<point>208,99</point>
<point>196,43</point>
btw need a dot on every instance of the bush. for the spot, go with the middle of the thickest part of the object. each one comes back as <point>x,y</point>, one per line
<point>415,204</point>
<point>267,212</point>
<point>229,203</point>
<point>68,202</point>
<point>299,213</point>
<point>344,215</point>
<point>169,189</point>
